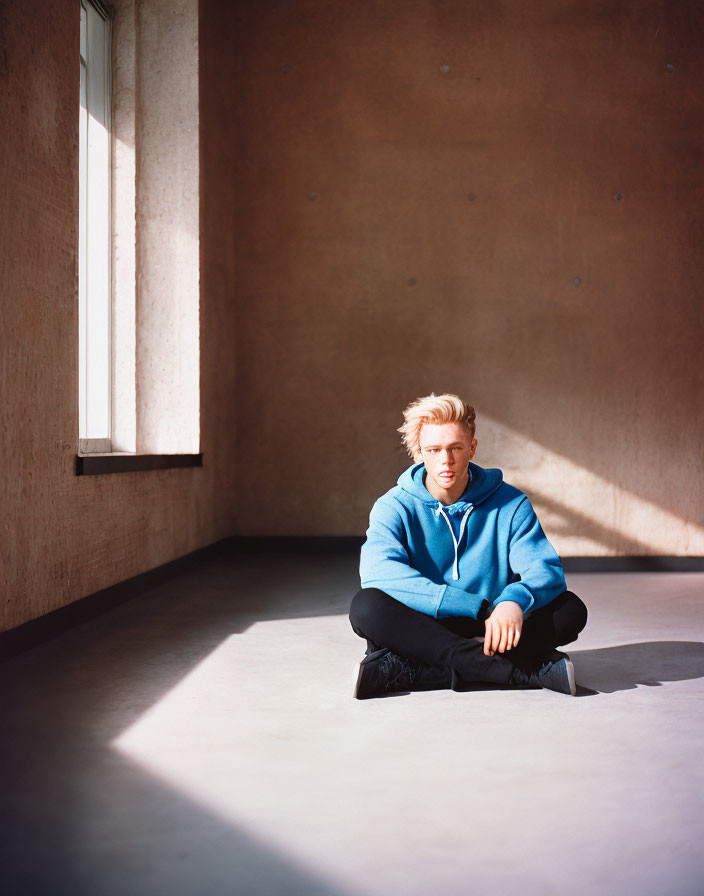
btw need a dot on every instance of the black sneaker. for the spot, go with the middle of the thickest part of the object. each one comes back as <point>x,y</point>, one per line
<point>383,672</point>
<point>555,672</point>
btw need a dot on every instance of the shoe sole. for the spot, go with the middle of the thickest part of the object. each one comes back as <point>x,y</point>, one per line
<point>564,683</point>
<point>359,671</point>
<point>569,667</point>
<point>357,679</point>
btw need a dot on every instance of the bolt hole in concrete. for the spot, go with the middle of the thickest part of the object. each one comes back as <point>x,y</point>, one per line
<point>577,281</point>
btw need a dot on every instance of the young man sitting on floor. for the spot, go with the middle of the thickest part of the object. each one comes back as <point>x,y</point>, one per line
<point>452,553</point>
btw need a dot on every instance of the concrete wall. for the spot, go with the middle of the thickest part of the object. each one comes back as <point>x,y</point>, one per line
<point>498,199</point>
<point>503,200</point>
<point>65,536</point>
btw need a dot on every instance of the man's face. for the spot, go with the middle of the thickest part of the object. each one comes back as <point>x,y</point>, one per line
<point>446,450</point>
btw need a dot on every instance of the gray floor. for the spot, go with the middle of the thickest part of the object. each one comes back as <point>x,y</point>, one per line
<point>202,739</point>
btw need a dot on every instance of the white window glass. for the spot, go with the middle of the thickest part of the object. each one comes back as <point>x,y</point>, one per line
<point>94,232</point>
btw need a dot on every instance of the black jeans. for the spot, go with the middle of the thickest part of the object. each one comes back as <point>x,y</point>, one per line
<point>447,650</point>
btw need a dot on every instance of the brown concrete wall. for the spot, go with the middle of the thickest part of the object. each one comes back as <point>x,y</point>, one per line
<point>498,199</point>
<point>395,197</point>
<point>65,536</point>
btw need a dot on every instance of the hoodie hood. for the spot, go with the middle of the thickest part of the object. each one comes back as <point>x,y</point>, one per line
<point>482,484</point>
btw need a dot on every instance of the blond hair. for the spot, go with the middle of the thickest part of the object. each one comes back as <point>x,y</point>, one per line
<point>445,408</point>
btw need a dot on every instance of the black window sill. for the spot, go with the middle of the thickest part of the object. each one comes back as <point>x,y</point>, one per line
<point>100,464</point>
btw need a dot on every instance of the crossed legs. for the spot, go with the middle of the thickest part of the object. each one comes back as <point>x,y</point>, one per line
<point>451,651</point>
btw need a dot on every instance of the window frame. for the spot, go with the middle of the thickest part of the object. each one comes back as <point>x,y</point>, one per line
<point>131,444</point>
<point>95,212</point>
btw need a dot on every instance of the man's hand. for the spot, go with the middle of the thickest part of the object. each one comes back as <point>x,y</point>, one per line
<point>503,627</point>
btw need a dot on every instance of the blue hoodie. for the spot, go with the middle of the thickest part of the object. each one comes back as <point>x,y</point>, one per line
<point>413,554</point>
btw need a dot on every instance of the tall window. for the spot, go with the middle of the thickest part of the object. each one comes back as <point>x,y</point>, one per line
<point>139,329</point>
<point>94,230</point>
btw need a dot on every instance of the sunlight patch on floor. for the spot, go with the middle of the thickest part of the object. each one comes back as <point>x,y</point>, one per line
<point>415,791</point>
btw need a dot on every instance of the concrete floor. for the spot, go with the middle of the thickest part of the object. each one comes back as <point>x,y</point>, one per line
<point>202,740</point>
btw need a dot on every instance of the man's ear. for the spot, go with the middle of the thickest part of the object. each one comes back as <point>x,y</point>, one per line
<point>474,448</point>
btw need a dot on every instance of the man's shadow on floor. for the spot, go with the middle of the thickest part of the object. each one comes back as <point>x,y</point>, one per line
<point>606,670</point>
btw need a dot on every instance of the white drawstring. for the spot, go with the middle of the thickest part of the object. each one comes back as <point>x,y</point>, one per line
<point>455,541</point>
